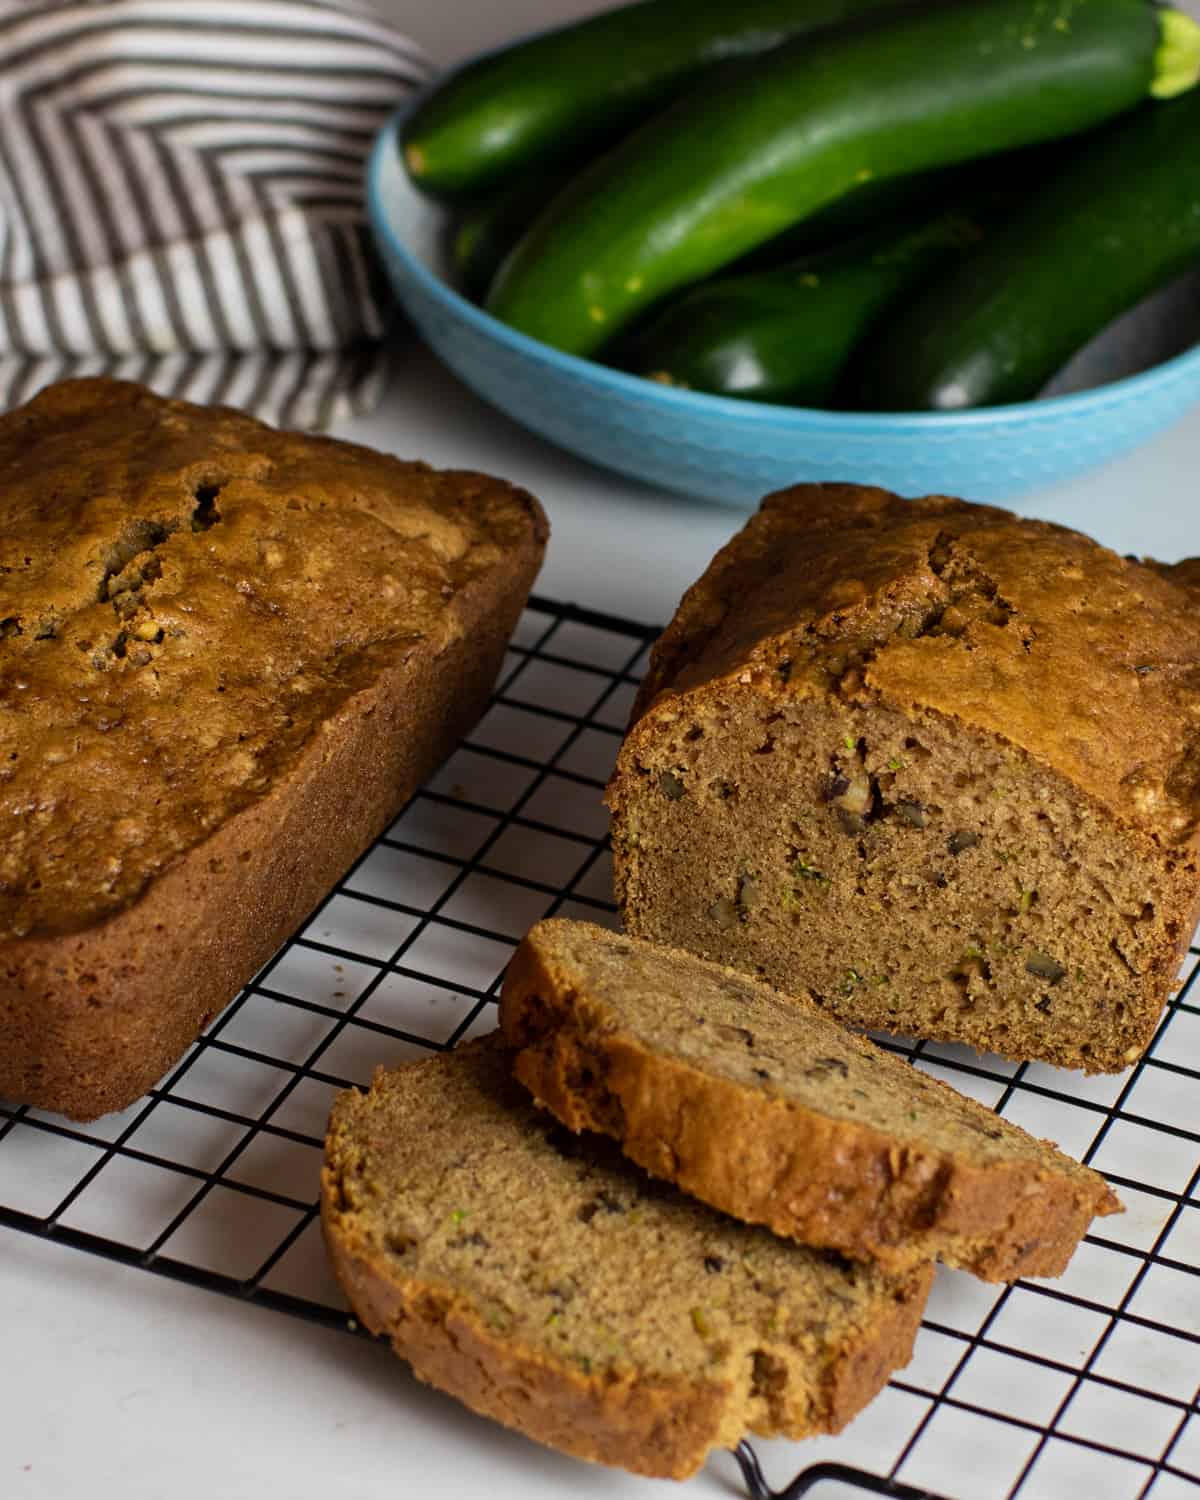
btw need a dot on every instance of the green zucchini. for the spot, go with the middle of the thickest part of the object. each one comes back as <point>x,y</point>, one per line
<point>545,99</point>
<point>1122,218</point>
<point>765,144</point>
<point>970,186</point>
<point>786,334</point>
<point>485,231</point>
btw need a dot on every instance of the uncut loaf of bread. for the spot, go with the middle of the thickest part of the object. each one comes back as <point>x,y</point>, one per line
<point>935,765</point>
<point>764,1106</point>
<point>549,1284</point>
<point>227,656</point>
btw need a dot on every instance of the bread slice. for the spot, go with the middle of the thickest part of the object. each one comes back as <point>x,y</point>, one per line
<point>763,1106</point>
<point>228,656</point>
<point>549,1284</point>
<point>933,762</point>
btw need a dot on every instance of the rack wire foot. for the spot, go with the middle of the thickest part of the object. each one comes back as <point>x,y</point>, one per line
<point>873,1484</point>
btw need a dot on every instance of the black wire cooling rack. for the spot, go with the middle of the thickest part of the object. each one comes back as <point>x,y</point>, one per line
<point>1085,1388</point>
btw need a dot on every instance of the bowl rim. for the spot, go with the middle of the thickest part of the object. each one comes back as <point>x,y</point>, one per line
<point>766,413</point>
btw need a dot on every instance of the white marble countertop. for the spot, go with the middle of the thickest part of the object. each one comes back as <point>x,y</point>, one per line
<point>114,1382</point>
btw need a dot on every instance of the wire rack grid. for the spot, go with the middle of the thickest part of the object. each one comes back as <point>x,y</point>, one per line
<point>1086,1386</point>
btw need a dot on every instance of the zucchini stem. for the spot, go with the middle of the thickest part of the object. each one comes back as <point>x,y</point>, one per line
<point>1177,61</point>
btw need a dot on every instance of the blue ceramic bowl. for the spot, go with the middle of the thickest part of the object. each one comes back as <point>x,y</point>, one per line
<point>717,448</point>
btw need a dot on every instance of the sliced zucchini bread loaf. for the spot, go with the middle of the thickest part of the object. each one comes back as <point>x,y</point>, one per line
<point>935,765</point>
<point>762,1105</point>
<point>549,1284</point>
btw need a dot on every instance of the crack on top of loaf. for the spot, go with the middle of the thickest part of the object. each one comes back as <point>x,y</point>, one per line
<point>130,563</point>
<point>957,597</point>
<point>145,534</point>
<point>205,515</point>
<point>973,595</point>
<point>968,595</point>
<point>961,597</point>
<point>139,536</point>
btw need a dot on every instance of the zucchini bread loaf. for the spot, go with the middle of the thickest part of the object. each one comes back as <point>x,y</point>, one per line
<point>549,1284</point>
<point>933,764</point>
<point>227,656</point>
<point>766,1107</point>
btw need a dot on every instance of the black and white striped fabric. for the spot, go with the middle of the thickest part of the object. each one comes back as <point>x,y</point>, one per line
<point>181,198</point>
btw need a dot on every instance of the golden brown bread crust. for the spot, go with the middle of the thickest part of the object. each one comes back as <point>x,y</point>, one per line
<point>662,1428</point>
<point>819,1178</point>
<point>187,808</point>
<point>401,1207</point>
<point>1019,660</point>
<point>1186,573</point>
<point>1102,645</point>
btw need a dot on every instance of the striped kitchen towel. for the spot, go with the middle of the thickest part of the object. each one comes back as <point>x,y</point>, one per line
<point>181,198</point>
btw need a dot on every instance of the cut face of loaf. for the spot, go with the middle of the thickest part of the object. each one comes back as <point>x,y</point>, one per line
<point>937,766</point>
<point>764,1106</point>
<point>550,1285</point>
